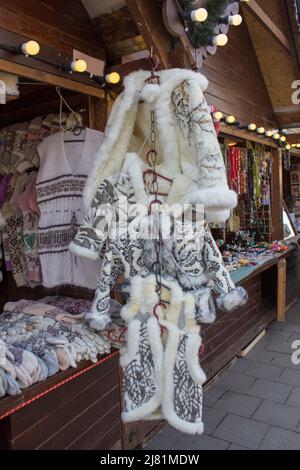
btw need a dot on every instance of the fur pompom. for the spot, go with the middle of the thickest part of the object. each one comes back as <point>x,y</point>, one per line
<point>234,299</point>
<point>150,92</point>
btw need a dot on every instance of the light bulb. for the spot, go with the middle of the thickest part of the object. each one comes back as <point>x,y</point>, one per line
<point>199,15</point>
<point>260,130</point>
<point>251,127</point>
<point>283,138</point>
<point>276,136</point>
<point>287,147</point>
<point>294,145</point>
<point>113,78</point>
<point>79,66</point>
<point>220,40</point>
<point>30,48</point>
<point>269,133</point>
<point>235,20</point>
<point>217,116</point>
<point>230,119</point>
<point>298,146</point>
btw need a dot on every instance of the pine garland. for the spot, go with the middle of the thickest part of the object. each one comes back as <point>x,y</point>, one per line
<point>201,34</point>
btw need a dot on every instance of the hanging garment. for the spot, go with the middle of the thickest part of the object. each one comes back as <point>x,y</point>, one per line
<point>136,237</point>
<point>30,215</point>
<point>186,138</point>
<point>60,181</point>
<point>114,225</point>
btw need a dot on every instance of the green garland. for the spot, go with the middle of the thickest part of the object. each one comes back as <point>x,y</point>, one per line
<point>201,34</point>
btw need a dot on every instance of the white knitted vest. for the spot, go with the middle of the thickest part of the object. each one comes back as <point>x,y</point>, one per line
<point>63,171</point>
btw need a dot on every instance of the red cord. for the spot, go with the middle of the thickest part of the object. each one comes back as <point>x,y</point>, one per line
<point>55,387</point>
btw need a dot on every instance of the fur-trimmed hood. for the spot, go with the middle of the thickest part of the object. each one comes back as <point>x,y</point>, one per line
<point>187,142</point>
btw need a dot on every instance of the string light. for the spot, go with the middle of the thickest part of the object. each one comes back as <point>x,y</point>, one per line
<point>30,48</point>
<point>283,138</point>
<point>294,145</point>
<point>260,130</point>
<point>198,15</point>
<point>113,78</point>
<point>79,66</point>
<point>220,40</point>
<point>269,133</point>
<point>276,136</point>
<point>298,146</point>
<point>233,20</point>
<point>229,119</point>
<point>288,147</point>
<point>217,115</point>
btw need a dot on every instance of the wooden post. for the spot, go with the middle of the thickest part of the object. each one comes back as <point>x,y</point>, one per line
<point>281,289</point>
<point>277,194</point>
<point>97,113</point>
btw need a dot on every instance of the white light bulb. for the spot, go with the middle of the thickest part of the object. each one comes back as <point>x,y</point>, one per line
<point>220,40</point>
<point>113,78</point>
<point>79,66</point>
<point>260,130</point>
<point>298,146</point>
<point>251,127</point>
<point>217,116</point>
<point>288,147</point>
<point>235,20</point>
<point>199,15</point>
<point>30,48</point>
<point>269,133</point>
<point>283,138</point>
<point>230,119</point>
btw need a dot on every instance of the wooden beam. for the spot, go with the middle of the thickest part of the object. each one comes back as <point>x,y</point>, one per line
<point>232,131</point>
<point>38,21</point>
<point>281,289</point>
<point>148,18</point>
<point>267,23</point>
<point>51,79</point>
<point>277,194</point>
<point>287,109</point>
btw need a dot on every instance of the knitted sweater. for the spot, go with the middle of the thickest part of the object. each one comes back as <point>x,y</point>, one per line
<point>60,181</point>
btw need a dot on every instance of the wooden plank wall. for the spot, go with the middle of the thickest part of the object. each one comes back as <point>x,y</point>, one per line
<point>82,414</point>
<point>236,82</point>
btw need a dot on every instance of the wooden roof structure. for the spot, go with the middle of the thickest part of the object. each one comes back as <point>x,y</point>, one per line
<point>251,77</point>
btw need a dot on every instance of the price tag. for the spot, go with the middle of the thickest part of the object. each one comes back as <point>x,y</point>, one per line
<point>2,92</point>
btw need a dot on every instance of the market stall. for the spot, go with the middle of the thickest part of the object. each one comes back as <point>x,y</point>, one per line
<point>52,124</point>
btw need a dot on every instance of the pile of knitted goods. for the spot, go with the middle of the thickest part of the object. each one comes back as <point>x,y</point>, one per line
<point>38,339</point>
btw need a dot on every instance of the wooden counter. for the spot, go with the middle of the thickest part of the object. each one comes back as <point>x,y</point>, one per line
<point>80,408</point>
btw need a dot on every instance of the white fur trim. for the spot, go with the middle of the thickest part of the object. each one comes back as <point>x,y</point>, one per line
<point>150,92</point>
<point>216,198</point>
<point>84,252</point>
<point>217,216</point>
<point>232,300</point>
<point>133,306</point>
<point>192,358</point>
